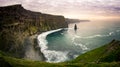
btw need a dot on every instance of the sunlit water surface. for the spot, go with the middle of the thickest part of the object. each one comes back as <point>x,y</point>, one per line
<point>63,45</point>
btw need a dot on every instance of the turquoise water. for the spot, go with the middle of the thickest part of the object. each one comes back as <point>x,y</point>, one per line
<point>67,44</point>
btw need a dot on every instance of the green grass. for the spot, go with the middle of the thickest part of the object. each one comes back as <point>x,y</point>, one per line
<point>91,56</point>
<point>15,62</point>
<point>96,58</point>
<point>29,63</point>
<point>107,53</point>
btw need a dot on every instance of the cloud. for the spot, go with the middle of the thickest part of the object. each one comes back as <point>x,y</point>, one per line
<point>67,7</point>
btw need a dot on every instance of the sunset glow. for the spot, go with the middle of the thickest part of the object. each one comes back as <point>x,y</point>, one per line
<point>81,9</point>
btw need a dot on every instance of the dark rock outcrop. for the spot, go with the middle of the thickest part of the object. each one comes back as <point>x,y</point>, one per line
<point>17,24</point>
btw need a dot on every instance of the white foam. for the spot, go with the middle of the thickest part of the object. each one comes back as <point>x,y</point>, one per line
<point>117,30</point>
<point>83,47</point>
<point>75,56</point>
<point>55,56</point>
<point>99,35</point>
<point>74,36</point>
<point>51,55</point>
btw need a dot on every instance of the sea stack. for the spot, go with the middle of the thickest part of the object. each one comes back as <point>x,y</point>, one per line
<point>75,27</point>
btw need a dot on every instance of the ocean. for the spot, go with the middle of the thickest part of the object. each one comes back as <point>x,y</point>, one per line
<point>66,43</point>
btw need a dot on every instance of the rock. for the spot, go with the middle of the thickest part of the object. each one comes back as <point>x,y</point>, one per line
<point>17,24</point>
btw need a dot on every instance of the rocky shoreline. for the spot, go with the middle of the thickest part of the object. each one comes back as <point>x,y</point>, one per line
<point>19,28</point>
<point>32,49</point>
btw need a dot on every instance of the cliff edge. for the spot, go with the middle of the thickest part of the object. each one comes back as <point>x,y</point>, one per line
<point>18,26</point>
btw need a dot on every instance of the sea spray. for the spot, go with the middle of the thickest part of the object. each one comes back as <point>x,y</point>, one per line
<point>51,55</point>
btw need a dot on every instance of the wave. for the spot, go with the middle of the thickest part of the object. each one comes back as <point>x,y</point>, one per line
<point>99,35</point>
<point>82,46</point>
<point>117,30</point>
<point>51,55</point>
<point>60,56</point>
<point>107,35</point>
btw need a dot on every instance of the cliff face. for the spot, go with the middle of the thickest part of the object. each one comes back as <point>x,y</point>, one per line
<point>16,15</point>
<point>18,24</point>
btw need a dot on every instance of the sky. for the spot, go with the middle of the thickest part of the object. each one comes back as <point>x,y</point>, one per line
<point>78,9</point>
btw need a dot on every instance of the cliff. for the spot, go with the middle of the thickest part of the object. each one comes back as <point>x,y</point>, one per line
<point>105,56</point>
<point>75,20</point>
<point>17,25</point>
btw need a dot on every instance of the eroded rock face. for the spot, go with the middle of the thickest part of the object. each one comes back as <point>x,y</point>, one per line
<point>17,24</point>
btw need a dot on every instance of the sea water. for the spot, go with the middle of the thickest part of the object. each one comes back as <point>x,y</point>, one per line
<point>66,44</point>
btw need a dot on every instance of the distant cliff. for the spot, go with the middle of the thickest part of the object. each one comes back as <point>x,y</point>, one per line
<point>18,24</point>
<point>75,20</point>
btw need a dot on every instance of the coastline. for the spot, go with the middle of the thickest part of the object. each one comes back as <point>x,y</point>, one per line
<point>42,42</point>
<point>32,49</point>
<point>18,32</point>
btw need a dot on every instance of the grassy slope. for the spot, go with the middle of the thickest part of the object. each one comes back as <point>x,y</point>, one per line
<point>91,55</point>
<point>96,58</point>
<point>107,53</point>
<point>29,63</point>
